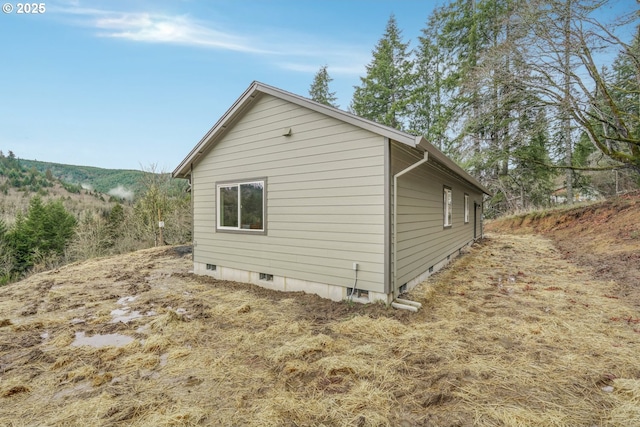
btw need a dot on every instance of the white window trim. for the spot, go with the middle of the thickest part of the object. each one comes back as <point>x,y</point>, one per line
<point>238,229</point>
<point>448,206</point>
<point>466,208</point>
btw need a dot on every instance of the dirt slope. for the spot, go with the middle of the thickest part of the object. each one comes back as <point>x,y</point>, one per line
<point>604,236</point>
<point>512,334</point>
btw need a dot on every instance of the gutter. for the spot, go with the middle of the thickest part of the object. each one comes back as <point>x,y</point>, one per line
<point>395,215</point>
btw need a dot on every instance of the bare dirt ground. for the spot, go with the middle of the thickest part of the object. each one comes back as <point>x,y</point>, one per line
<point>604,236</point>
<point>516,332</point>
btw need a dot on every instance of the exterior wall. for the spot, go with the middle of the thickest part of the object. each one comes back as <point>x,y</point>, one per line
<point>423,241</point>
<point>324,195</point>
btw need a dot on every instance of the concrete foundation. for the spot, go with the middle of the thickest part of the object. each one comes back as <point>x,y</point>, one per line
<point>332,292</point>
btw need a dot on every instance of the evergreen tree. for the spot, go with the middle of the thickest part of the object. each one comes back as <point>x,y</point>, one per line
<point>430,114</point>
<point>319,90</point>
<point>44,231</point>
<point>114,224</point>
<point>385,93</point>
<point>6,256</point>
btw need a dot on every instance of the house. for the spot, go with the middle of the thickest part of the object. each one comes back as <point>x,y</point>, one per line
<point>293,195</point>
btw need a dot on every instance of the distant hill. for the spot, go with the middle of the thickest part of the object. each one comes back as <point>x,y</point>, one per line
<point>122,183</point>
<point>125,182</point>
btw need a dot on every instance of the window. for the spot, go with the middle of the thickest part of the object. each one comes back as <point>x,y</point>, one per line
<point>241,206</point>
<point>448,207</point>
<point>466,208</point>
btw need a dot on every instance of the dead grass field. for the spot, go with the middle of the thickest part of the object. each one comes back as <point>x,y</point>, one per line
<point>513,333</point>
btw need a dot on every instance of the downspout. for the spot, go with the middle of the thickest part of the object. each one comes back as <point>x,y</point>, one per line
<point>395,216</point>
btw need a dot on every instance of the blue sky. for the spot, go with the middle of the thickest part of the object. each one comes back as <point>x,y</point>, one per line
<point>127,84</point>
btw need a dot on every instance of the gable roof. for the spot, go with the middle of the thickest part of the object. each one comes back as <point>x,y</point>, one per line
<point>257,89</point>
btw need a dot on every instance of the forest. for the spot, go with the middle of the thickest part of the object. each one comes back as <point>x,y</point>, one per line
<point>46,222</point>
<point>538,99</point>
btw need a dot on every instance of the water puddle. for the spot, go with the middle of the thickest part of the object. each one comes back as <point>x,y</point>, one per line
<point>124,315</point>
<point>116,340</point>
<point>124,300</point>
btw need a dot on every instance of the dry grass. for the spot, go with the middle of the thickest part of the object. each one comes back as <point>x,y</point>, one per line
<point>512,334</point>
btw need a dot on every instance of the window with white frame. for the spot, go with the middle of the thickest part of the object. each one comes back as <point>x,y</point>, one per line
<point>466,208</point>
<point>241,206</point>
<point>448,207</point>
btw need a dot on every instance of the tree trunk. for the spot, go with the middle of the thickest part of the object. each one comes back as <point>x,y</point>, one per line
<point>566,113</point>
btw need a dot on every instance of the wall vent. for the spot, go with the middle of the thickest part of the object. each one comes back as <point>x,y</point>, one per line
<point>431,269</point>
<point>212,267</point>
<point>359,293</point>
<point>266,277</point>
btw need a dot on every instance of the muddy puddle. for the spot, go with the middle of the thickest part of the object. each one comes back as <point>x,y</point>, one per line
<point>116,340</point>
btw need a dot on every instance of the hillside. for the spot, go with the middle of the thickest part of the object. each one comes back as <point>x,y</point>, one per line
<point>604,236</point>
<point>119,182</point>
<point>18,183</point>
<point>513,333</point>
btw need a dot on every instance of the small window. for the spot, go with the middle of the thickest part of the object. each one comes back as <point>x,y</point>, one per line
<point>241,206</point>
<point>448,207</point>
<point>466,208</point>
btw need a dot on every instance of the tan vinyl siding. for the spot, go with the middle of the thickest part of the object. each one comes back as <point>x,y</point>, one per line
<point>324,195</point>
<point>423,240</point>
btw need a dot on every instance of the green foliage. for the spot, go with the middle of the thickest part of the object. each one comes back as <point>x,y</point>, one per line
<point>20,177</point>
<point>115,224</point>
<point>319,90</point>
<point>43,233</point>
<point>430,113</point>
<point>385,92</point>
<point>6,256</point>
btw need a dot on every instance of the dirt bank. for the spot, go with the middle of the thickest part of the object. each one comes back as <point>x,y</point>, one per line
<point>604,236</point>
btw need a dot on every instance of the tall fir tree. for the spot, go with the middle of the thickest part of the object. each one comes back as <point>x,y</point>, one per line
<point>430,114</point>
<point>385,92</point>
<point>319,90</point>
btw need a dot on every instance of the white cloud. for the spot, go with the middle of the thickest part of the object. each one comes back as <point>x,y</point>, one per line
<point>121,192</point>
<point>145,27</point>
<point>302,56</point>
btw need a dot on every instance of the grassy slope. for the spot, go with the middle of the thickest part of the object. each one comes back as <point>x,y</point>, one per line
<point>513,333</point>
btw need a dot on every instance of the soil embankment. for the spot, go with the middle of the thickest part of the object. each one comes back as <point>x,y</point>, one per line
<point>604,236</point>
